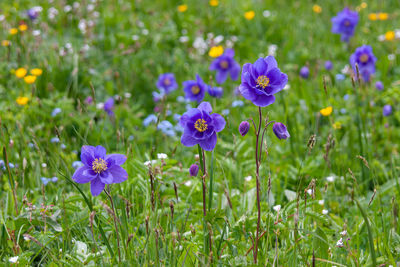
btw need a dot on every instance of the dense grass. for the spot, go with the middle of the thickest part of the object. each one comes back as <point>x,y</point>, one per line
<point>348,162</point>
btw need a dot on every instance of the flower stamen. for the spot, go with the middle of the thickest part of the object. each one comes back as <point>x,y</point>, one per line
<point>263,81</point>
<point>99,165</point>
<point>364,58</point>
<point>200,125</point>
<point>195,89</point>
<point>224,64</point>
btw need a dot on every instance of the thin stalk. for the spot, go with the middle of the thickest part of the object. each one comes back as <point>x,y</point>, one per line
<point>370,237</point>
<point>203,179</point>
<point>258,185</point>
<point>210,195</point>
<point>108,193</point>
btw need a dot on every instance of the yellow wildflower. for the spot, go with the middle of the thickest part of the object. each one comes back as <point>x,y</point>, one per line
<point>36,72</point>
<point>23,27</point>
<point>30,79</point>
<point>20,72</point>
<point>22,100</point>
<point>182,8</point>
<point>317,9</point>
<point>390,35</point>
<point>326,111</point>
<point>216,51</point>
<point>214,2</point>
<point>383,16</point>
<point>373,16</point>
<point>13,31</point>
<point>249,15</point>
<point>337,125</point>
<point>364,5</point>
<point>5,43</point>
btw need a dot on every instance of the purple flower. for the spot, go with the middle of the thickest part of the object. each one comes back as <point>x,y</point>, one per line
<point>201,127</point>
<point>387,110</point>
<point>109,106</point>
<point>100,169</point>
<point>195,89</point>
<point>193,170</point>
<point>244,127</point>
<point>224,65</point>
<point>345,23</point>
<point>328,65</point>
<point>32,13</point>
<point>379,85</point>
<point>89,100</point>
<point>304,72</point>
<point>280,130</point>
<point>215,91</point>
<point>261,80</point>
<point>365,60</point>
<point>167,83</point>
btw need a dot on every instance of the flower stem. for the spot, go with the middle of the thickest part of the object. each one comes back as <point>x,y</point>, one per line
<point>108,193</point>
<point>258,185</point>
<point>210,195</point>
<point>203,179</point>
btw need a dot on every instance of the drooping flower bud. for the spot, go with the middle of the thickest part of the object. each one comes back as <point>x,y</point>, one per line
<point>193,170</point>
<point>244,127</point>
<point>280,130</point>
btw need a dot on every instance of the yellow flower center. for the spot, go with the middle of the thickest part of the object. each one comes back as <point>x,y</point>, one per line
<point>263,81</point>
<point>167,81</point>
<point>364,58</point>
<point>195,89</point>
<point>224,64</point>
<point>99,165</point>
<point>200,125</point>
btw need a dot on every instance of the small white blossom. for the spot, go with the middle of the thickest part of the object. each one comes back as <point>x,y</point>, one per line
<point>325,212</point>
<point>331,178</point>
<point>188,183</point>
<point>247,178</point>
<point>321,202</point>
<point>266,13</point>
<point>340,243</point>
<point>277,208</point>
<point>162,156</point>
<point>13,259</point>
<point>343,233</point>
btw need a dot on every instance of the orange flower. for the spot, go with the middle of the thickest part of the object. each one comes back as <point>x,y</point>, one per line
<point>216,51</point>
<point>22,100</point>
<point>317,9</point>
<point>326,111</point>
<point>5,43</point>
<point>214,2</point>
<point>20,72</point>
<point>30,79</point>
<point>36,72</point>
<point>373,16</point>
<point>182,8</point>
<point>249,15</point>
<point>13,31</point>
<point>390,35</point>
<point>23,27</point>
<point>383,16</point>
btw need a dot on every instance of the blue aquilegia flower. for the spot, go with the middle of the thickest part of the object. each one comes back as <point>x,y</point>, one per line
<point>261,80</point>
<point>216,92</point>
<point>387,110</point>
<point>304,72</point>
<point>195,89</point>
<point>109,106</point>
<point>224,65</point>
<point>100,169</point>
<point>365,60</point>
<point>345,23</point>
<point>167,83</point>
<point>201,127</point>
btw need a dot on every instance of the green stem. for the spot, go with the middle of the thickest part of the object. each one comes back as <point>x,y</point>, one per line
<point>370,237</point>
<point>210,195</point>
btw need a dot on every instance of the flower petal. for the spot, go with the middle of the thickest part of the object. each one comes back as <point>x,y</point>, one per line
<point>100,152</point>
<point>264,100</point>
<point>83,175</point>
<point>205,106</point>
<point>118,159</point>
<point>260,67</point>
<point>96,186</point>
<point>106,177</point>
<point>118,173</point>
<point>209,143</point>
<point>219,122</point>
<point>221,76</point>
<point>187,140</point>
